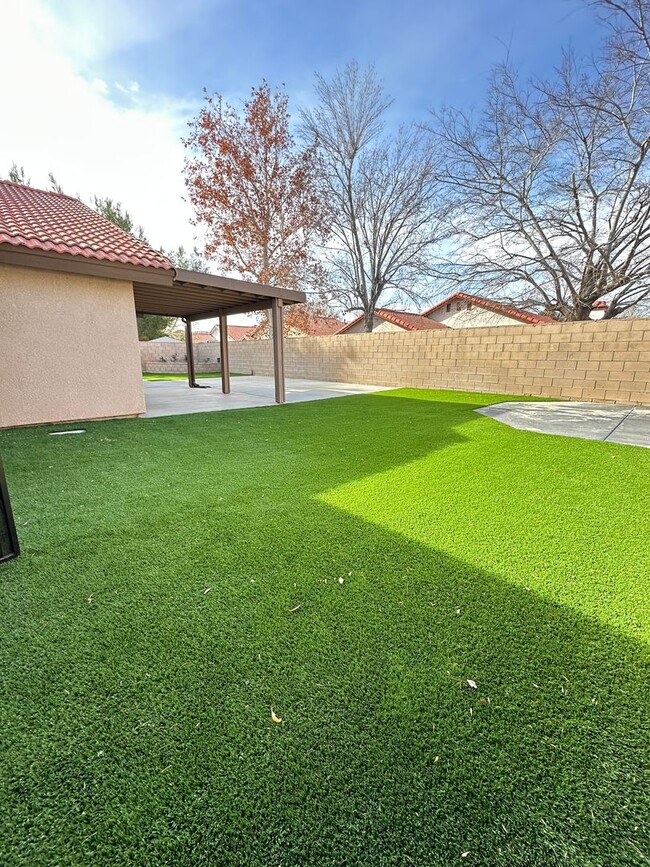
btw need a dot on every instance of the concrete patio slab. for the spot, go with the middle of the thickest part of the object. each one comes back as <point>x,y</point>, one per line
<point>592,421</point>
<point>175,398</point>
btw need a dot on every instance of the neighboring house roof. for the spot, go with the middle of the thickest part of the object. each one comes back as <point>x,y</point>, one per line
<point>241,332</point>
<point>53,222</point>
<point>407,321</point>
<point>303,326</point>
<point>202,337</point>
<point>320,326</point>
<point>495,307</point>
<point>164,340</point>
<point>235,332</point>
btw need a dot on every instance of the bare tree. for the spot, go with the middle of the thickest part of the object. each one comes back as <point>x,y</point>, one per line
<point>380,193</point>
<point>628,22</point>
<point>551,187</point>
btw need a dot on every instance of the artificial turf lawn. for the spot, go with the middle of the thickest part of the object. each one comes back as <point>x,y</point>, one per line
<point>136,707</point>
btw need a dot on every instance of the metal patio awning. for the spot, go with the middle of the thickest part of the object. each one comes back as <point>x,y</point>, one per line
<point>193,295</point>
<point>187,295</point>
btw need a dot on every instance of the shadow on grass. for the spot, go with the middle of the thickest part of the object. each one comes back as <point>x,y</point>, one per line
<point>137,725</point>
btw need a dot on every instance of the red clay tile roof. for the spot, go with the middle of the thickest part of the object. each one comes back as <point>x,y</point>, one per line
<point>202,337</point>
<point>240,332</point>
<point>53,222</point>
<point>495,307</point>
<point>321,326</point>
<point>407,321</point>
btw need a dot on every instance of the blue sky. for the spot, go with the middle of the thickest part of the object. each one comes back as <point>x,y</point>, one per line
<point>426,52</point>
<point>101,90</point>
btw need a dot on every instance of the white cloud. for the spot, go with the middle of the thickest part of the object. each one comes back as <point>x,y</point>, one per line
<point>58,116</point>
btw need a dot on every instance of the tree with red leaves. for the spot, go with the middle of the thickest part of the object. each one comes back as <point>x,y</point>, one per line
<point>252,189</point>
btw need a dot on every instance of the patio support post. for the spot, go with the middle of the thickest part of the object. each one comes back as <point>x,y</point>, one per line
<point>278,349</point>
<point>225,366</point>
<point>189,351</point>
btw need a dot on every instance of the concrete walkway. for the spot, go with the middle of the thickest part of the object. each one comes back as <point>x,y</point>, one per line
<point>176,398</point>
<point>590,421</point>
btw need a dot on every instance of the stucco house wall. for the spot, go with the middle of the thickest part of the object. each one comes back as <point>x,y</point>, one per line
<point>86,362</point>
<point>462,316</point>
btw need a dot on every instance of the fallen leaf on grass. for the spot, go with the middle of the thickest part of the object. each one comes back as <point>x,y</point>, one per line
<point>484,701</point>
<point>275,718</point>
<point>472,684</point>
<point>207,589</point>
<point>458,611</point>
<point>291,610</point>
<point>464,854</point>
<point>89,600</point>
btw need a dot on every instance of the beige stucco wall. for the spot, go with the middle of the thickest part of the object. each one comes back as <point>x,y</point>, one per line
<point>600,361</point>
<point>472,317</point>
<point>377,325</point>
<point>69,348</point>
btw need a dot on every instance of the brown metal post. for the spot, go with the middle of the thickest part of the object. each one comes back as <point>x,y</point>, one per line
<point>189,350</point>
<point>278,349</point>
<point>225,366</point>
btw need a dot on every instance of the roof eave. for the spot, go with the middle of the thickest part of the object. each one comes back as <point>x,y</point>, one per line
<point>10,254</point>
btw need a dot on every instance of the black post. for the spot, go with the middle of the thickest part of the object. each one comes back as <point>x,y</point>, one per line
<point>9,547</point>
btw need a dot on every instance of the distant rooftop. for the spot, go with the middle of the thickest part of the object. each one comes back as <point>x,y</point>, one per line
<point>407,321</point>
<point>526,316</point>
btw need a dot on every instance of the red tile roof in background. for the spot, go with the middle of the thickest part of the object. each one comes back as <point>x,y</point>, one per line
<point>321,326</point>
<point>202,337</point>
<point>53,222</point>
<point>241,332</point>
<point>407,321</point>
<point>494,307</point>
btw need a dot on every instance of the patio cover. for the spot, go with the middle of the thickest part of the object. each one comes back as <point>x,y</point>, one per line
<point>192,295</point>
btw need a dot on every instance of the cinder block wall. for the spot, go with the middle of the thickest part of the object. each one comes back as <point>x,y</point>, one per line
<point>171,357</point>
<point>598,361</point>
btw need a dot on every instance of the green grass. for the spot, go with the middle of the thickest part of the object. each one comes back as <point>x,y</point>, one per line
<point>164,377</point>
<point>135,707</point>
